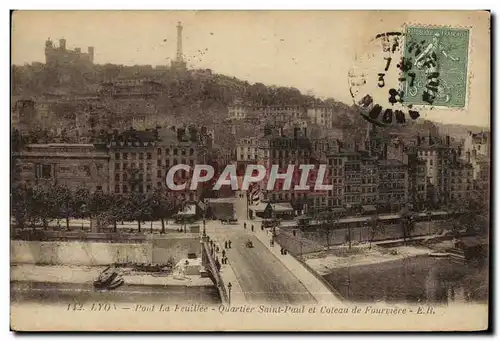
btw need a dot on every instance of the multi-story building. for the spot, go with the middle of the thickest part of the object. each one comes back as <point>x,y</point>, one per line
<point>336,177</point>
<point>460,174</point>
<point>417,181</point>
<point>239,111</point>
<point>71,165</point>
<point>352,179</point>
<point>479,142</point>
<point>369,179</point>
<point>477,150</point>
<point>279,113</point>
<point>437,156</point>
<point>140,160</point>
<point>480,174</point>
<point>246,152</point>
<point>274,114</point>
<point>131,162</point>
<point>276,149</point>
<point>392,184</point>
<point>321,115</point>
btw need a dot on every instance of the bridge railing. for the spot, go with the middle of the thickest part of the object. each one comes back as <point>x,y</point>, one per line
<point>215,273</point>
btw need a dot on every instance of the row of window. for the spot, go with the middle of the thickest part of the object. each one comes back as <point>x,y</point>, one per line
<point>175,151</point>
<point>133,156</point>
<point>248,157</point>
<point>124,166</point>
<point>335,162</point>
<point>394,176</point>
<point>461,188</point>
<point>287,153</point>
<point>159,163</point>
<point>391,185</point>
<point>391,197</point>
<point>148,155</point>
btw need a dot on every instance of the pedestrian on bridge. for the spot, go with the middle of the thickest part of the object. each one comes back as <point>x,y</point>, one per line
<point>244,225</point>
<point>229,244</point>
<point>225,244</point>
<point>252,227</point>
<point>223,253</point>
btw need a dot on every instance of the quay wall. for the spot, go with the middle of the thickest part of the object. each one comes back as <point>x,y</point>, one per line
<point>91,253</point>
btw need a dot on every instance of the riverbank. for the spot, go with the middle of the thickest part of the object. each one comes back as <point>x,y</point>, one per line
<point>87,274</point>
<point>324,262</point>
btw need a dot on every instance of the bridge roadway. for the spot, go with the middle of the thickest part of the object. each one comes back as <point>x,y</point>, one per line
<point>262,276</point>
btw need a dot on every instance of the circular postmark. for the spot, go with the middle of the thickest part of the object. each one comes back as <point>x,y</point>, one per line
<point>379,80</point>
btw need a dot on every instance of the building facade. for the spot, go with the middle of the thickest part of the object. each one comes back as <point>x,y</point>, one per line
<point>70,165</point>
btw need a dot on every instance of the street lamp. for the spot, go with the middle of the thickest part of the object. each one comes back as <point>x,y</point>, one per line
<point>229,286</point>
<point>83,209</point>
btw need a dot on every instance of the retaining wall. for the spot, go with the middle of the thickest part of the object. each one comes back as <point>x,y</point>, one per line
<point>88,253</point>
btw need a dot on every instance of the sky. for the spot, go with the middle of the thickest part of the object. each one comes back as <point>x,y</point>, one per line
<point>311,50</point>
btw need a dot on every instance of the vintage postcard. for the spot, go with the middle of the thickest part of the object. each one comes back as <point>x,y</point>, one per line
<point>250,170</point>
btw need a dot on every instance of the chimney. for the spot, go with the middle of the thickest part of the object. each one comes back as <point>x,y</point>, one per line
<point>468,156</point>
<point>447,140</point>
<point>62,44</point>
<point>418,140</point>
<point>305,131</point>
<point>91,53</point>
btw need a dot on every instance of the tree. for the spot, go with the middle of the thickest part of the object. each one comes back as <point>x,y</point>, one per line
<point>19,204</point>
<point>407,222</point>
<point>80,203</point>
<point>61,203</point>
<point>164,206</point>
<point>39,207</point>
<point>117,209</point>
<point>375,228</point>
<point>471,214</point>
<point>327,222</point>
<point>139,208</point>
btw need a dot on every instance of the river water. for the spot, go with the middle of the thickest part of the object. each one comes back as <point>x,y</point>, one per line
<point>412,280</point>
<point>64,293</point>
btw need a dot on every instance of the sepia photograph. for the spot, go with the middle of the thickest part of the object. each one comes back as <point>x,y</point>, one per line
<point>250,170</point>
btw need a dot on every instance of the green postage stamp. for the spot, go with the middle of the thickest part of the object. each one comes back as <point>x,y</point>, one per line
<point>435,66</point>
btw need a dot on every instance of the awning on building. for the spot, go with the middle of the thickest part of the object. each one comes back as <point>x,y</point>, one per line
<point>353,220</point>
<point>439,213</point>
<point>369,208</point>
<point>189,210</point>
<point>283,207</point>
<point>259,208</point>
<point>339,210</point>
